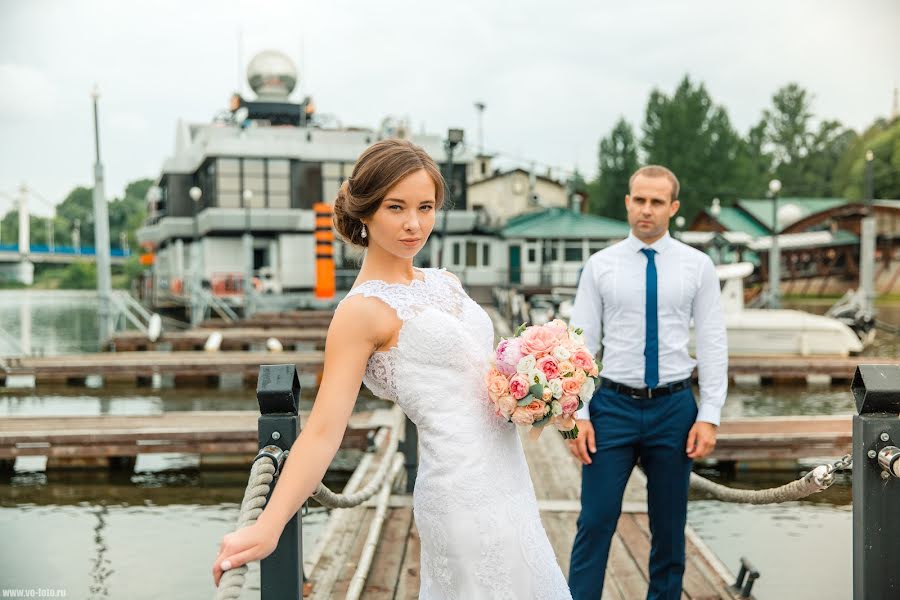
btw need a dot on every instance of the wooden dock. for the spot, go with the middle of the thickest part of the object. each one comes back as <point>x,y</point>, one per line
<point>198,367</point>
<point>81,441</point>
<point>270,320</point>
<point>235,338</point>
<point>140,367</point>
<point>394,573</point>
<point>766,439</point>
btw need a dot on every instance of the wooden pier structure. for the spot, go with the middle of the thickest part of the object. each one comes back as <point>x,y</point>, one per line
<point>782,440</point>
<point>205,367</point>
<point>395,569</point>
<point>233,338</point>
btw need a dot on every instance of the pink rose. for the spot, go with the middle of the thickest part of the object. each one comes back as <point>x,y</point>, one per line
<point>550,367</point>
<point>594,370</point>
<point>509,353</point>
<point>571,386</point>
<point>497,385</point>
<point>583,360</point>
<point>518,387</point>
<point>569,404</point>
<point>539,340</point>
<point>506,405</point>
<point>521,416</point>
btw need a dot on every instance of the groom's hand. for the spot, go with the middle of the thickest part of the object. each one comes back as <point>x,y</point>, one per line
<point>701,440</point>
<point>579,446</point>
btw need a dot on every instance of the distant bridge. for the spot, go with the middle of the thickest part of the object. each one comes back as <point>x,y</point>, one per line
<point>38,253</point>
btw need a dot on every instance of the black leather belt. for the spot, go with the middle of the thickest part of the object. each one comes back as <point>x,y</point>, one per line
<point>646,393</point>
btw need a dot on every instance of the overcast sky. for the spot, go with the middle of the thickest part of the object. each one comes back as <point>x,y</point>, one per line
<point>554,75</point>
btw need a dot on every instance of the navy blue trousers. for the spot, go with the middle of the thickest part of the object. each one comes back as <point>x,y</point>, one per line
<point>655,432</point>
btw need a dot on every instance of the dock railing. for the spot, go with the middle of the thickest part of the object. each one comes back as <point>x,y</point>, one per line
<point>876,491</point>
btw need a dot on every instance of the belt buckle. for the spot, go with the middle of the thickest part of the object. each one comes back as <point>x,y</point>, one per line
<point>649,393</point>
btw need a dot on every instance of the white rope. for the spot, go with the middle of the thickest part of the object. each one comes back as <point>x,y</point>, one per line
<point>814,481</point>
<point>261,475</point>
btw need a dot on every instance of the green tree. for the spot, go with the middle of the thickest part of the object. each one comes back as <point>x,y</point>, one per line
<point>617,160</point>
<point>80,275</point>
<point>883,139</point>
<point>803,158</point>
<point>693,137</point>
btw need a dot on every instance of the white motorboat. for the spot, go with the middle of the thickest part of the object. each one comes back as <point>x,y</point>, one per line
<point>755,332</point>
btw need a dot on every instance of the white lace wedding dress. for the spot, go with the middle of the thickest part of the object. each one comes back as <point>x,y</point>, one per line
<point>474,503</point>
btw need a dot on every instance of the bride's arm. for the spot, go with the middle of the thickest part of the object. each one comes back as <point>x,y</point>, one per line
<point>350,342</point>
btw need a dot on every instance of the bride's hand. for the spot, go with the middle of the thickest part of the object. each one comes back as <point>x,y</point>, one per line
<point>585,441</point>
<point>254,542</point>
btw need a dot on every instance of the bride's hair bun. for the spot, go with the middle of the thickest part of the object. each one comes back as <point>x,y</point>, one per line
<point>379,168</point>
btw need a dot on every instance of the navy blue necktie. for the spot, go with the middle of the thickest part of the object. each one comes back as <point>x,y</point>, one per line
<point>651,338</point>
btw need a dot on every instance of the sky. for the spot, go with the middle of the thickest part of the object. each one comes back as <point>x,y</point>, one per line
<point>554,76</point>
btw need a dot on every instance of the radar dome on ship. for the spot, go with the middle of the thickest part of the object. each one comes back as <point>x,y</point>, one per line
<point>272,75</point>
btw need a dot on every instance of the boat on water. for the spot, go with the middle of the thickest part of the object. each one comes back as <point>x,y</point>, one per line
<point>763,331</point>
<point>751,331</point>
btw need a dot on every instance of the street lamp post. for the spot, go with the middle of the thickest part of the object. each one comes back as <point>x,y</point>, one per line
<point>101,236</point>
<point>867,242</point>
<point>454,138</point>
<point>774,251</point>
<point>196,272</point>
<point>247,197</point>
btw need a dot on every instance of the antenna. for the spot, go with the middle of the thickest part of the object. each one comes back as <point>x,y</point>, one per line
<point>240,59</point>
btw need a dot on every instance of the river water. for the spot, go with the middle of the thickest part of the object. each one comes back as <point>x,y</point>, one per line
<point>153,533</point>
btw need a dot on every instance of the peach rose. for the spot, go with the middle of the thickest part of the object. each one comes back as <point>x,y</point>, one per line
<point>537,409</point>
<point>518,387</point>
<point>539,340</point>
<point>566,367</point>
<point>565,423</point>
<point>550,367</point>
<point>506,405</point>
<point>580,377</point>
<point>497,385</point>
<point>583,360</point>
<point>571,387</point>
<point>547,396</point>
<point>521,416</point>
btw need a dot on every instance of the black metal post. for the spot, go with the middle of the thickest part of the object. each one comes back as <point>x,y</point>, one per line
<point>876,483</point>
<point>447,195</point>
<point>278,394</point>
<point>410,454</point>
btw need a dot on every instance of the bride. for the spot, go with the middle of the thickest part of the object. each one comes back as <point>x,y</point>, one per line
<point>414,337</point>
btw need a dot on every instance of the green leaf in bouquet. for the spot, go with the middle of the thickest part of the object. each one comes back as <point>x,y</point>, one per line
<point>525,401</point>
<point>520,329</point>
<point>579,331</point>
<point>580,404</point>
<point>571,434</point>
<point>542,422</point>
<point>537,390</point>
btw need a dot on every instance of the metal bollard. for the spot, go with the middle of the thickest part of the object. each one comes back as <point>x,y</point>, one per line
<point>876,490</point>
<point>278,394</point>
<point>746,577</point>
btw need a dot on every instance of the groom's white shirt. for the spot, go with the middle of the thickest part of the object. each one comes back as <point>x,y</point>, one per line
<point>610,302</point>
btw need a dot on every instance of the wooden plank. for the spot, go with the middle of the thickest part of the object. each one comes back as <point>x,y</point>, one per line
<point>408,585</point>
<point>331,564</point>
<point>560,528</point>
<point>384,576</point>
<point>695,584</point>
<point>342,582</point>
<point>623,572</point>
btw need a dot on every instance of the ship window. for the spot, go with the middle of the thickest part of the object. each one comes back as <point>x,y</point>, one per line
<point>306,184</point>
<point>456,250</point>
<point>486,255</point>
<point>228,183</point>
<point>471,254</point>
<point>532,255</point>
<point>279,179</point>
<point>254,181</point>
<point>573,253</point>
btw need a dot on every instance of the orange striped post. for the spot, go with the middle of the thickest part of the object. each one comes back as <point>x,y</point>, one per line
<point>324,237</point>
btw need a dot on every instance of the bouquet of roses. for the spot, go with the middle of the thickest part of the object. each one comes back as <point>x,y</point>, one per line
<point>542,375</point>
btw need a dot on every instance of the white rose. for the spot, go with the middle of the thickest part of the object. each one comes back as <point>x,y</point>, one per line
<point>561,354</point>
<point>537,377</point>
<point>555,408</point>
<point>556,388</point>
<point>526,365</point>
<point>578,338</point>
<point>587,389</point>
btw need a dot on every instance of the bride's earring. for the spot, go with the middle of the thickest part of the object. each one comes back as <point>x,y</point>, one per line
<point>364,234</point>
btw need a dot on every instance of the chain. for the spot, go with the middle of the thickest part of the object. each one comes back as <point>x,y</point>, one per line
<point>842,463</point>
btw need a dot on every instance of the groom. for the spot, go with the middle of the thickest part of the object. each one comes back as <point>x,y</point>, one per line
<point>639,297</point>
